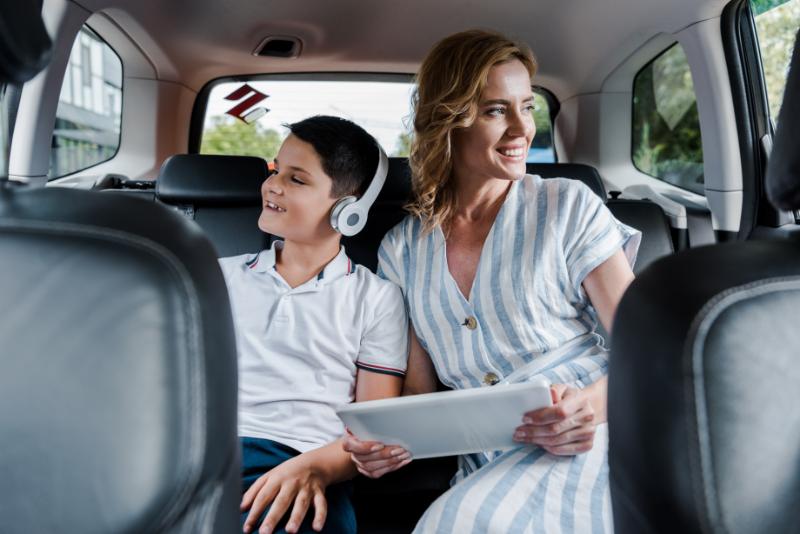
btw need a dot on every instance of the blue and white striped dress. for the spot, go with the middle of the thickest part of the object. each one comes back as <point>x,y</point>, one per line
<point>527,315</point>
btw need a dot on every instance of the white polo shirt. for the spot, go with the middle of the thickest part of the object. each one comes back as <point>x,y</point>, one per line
<point>299,349</point>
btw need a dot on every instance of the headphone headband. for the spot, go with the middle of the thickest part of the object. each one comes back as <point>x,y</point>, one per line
<point>349,214</point>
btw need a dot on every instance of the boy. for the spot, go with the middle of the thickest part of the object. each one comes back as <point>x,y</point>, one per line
<point>313,331</point>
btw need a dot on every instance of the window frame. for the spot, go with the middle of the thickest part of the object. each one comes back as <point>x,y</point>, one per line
<point>121,111</point>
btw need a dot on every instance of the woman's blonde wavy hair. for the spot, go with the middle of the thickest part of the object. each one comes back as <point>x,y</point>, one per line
<point>449,85</point>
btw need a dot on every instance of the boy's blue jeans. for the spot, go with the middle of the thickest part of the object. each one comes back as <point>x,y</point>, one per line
<point>261,455</point>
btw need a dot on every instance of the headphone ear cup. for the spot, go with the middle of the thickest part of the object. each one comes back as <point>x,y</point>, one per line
<point>339,213</point>
<point>352,219</point>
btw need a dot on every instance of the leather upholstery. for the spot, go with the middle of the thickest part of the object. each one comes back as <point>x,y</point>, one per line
<point>702,384</point>
<point>118,376</point>
<point>220,193</point>
<point>202,179</point>
<point>650,219</point>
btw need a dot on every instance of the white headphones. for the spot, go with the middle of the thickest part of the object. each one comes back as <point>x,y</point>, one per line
<point>349,214</point>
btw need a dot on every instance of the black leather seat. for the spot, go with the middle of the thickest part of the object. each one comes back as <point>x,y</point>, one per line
<point>220,193</point>
<point>118,376</point>
<point>118,369</point>
<point>650,219</point>
<point>703,420</point>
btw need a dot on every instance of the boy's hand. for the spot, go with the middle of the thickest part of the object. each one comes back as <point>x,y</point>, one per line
<point>566,428</point>
<point>374,459</point>
<point>293,484</point>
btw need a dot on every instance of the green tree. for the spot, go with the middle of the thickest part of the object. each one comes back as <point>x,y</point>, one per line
<point>227,135</point>
<point>666,123</point>
<point>777,26</point>
<point>544,127</point>
<point>402,147</point>
<point>762,6</point>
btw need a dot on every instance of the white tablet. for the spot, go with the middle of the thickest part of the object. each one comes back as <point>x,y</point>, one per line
<point>448,422</point>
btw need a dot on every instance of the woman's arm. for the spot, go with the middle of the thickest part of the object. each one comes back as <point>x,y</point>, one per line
<point>567,427</point>
<point>421,375</point>
<point>605,286</point>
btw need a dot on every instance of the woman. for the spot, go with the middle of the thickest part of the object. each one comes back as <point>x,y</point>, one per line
<point>505,276</point>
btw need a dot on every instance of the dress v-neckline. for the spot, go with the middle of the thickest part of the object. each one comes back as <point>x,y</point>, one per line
<point>489,235</point>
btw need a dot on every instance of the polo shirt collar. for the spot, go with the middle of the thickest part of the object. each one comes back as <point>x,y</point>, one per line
<point>339,266</point>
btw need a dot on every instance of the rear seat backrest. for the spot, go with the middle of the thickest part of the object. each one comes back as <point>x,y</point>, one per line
<point>577,171</point>
<point>222,194</point>
<point>650,219</point>
<point>387,211</point>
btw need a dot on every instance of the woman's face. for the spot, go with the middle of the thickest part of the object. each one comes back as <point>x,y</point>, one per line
<point>496,144</point>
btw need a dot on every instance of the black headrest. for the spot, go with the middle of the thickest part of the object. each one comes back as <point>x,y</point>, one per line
<point>397,189</point>
<point>24,44</point>
<point>576,171</point>
<point>783,173</point>
<point>201,179</point>
<point>398,181</point>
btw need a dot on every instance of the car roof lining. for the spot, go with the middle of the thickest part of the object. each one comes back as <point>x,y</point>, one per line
<point>578,43</point>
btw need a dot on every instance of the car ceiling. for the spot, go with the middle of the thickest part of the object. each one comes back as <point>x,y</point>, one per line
<point>578,42</point>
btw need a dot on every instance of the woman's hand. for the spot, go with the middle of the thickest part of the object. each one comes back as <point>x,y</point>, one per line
<point>374,459</point>
<point>566,428</point>
<point>293,484</point>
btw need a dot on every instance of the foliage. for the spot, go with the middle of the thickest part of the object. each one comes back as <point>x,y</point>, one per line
<point>666,123</point>
<point>762,6</point>
<point>402,147</point>
<point>227,135</point>
<point>776,35</point>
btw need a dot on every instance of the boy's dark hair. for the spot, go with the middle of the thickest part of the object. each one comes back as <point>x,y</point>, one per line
<point>349,155</point>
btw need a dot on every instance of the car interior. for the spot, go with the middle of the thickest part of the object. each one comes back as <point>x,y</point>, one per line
<point>136,136</point>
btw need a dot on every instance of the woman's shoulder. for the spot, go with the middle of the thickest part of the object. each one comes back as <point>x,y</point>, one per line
<point>567,192</point>
<point>404,233</point>
<point>535,184</point>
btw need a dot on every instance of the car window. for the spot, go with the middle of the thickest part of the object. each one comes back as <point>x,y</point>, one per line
<point>247,117</point>
<point>666,140</point>
<point>542,148</point>
<point>777,22</point>
<point>87,128</point>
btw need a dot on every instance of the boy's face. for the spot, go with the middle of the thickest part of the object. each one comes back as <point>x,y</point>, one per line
<point>296,198</point>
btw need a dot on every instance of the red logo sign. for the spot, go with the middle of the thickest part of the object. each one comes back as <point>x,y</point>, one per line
<point>249,97</point>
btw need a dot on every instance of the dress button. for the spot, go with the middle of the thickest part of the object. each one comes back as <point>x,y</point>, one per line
<point>491,379</point>
<point>470,322</point>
